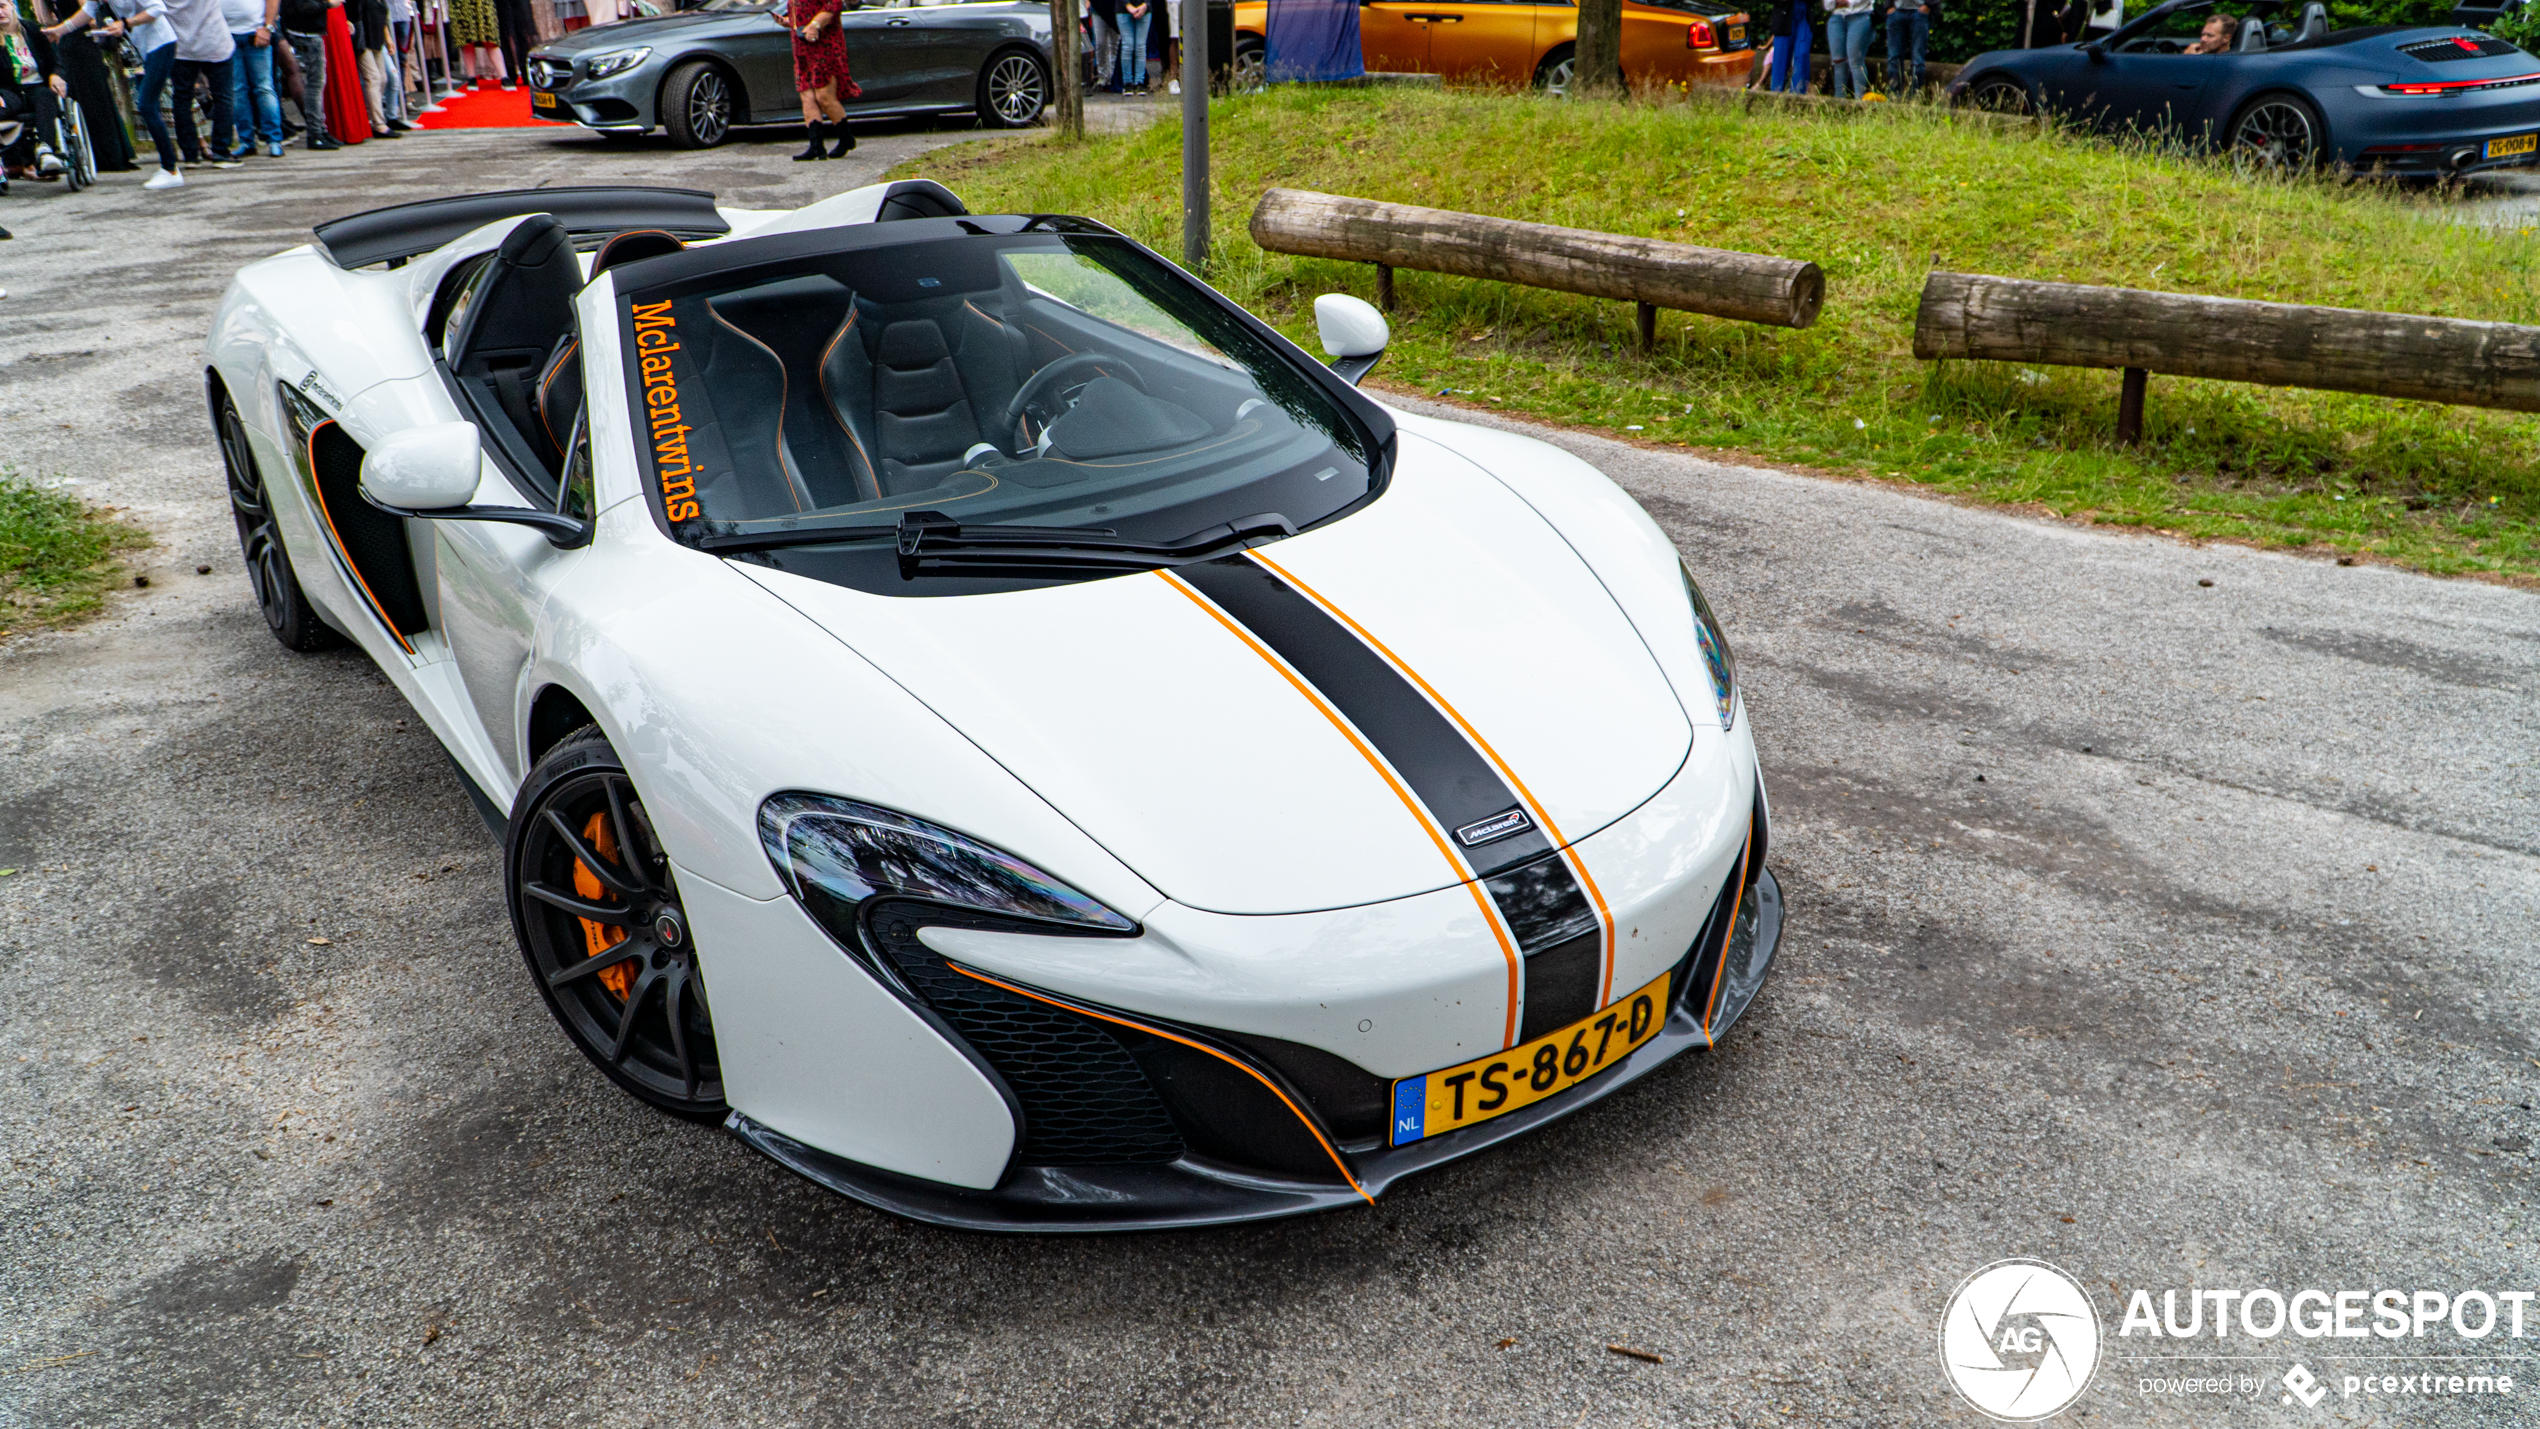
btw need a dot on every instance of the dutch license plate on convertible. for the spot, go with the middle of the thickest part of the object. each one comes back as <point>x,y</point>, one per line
<point>541,99</point>
<point>2511,145</point>
<point>1452,1098</point>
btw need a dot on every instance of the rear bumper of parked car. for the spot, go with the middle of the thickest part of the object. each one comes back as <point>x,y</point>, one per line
<point>2441,134</point>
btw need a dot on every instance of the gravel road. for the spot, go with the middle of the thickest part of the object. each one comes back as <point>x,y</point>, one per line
<point>2165,913</point>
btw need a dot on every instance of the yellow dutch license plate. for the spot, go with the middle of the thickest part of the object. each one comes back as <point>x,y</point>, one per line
<point>1737,38</point>
<point>541,99</point>
<point>1452,1098</point>
<point>2511,145</point>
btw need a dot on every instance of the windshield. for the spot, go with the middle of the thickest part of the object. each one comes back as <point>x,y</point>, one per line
<point>1055,380</point>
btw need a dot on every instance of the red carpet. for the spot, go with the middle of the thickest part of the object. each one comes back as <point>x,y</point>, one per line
<point>483,109</point>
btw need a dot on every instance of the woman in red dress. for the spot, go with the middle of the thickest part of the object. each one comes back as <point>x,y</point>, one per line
<point>820,73</point>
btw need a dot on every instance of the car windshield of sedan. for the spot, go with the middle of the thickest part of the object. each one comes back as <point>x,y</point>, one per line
<point>1052,380</point>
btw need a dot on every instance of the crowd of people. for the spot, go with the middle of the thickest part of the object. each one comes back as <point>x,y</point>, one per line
<point>261,72</point>
<point>1131,43</point>
<point>1853,26</point>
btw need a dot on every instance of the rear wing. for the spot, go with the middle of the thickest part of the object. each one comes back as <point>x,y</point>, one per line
<point>589,214</point>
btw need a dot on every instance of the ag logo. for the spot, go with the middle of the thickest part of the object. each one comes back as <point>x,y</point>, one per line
<point>2019,1340</point>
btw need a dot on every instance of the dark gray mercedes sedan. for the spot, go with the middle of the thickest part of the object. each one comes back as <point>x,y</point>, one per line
<point>699,74</point>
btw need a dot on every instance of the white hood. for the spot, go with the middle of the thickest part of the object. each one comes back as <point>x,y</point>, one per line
<point>1200,761</point>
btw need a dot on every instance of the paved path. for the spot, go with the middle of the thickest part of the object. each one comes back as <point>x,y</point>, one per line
<point>2180,934</point>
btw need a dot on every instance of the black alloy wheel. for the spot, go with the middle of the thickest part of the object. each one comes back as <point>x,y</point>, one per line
<point>600,924</point>
<point>1013,90</point>
<point>286,607</point>
<point>697,105</point>
<point>1999,94</point>
<point>1251,74</point>
<point>2278,135</point>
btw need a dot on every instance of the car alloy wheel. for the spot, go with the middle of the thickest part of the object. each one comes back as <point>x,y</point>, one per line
<point>1252,70</point>
<point>286,608</point>
<point>2278,135</point>
<point>1558,75</point>
<point>2000,95</point>
<point>604,932</point>
<point>709,108</point>
<point>1015,89</point>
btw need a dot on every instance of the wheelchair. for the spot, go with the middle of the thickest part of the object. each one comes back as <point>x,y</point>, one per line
<point>65,130</point>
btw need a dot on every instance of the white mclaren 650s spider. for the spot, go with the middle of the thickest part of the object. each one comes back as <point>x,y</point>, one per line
<point>985,719</point>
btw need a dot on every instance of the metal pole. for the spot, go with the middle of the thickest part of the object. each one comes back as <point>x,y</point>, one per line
<point>1195,135</point>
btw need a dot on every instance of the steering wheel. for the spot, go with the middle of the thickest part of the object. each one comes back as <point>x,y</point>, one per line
<point>1042,383</point>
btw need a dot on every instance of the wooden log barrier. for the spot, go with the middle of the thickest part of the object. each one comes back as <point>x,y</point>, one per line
<point>1749,287</point>
<point>2469,364</point>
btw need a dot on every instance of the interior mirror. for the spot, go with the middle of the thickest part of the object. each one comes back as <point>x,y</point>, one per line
<point>1354,334</point>
<point>430,473</point>
<point>424,468</point>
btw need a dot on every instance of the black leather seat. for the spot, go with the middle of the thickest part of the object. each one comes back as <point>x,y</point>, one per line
<point>560,393</point>
<point>917,385</point>
<point>507,334</point>
<point>632,245</point>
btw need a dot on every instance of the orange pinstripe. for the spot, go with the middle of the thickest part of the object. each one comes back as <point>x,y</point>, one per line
<point>318,492</point>
<point>1245,1067</point>
<point>1578,865</point>
<point>1463,874</point>
<point>1720,973</point>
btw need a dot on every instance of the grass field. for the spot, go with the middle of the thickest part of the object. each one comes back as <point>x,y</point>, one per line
<point>57,555</point>
<point>1875,201</point>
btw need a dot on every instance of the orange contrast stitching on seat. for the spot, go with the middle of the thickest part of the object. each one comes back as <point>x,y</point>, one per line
<point>1578,864</point>
<point>1246,1067</point>
<point>784,393</point>
<point>831,400</point>
<point>548,381</point>
<point>1463,874</point>
<point>317,491</point>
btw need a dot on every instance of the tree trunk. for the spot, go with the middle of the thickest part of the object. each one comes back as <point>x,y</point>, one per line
<point>1600,49</point>
<point>2472,364</point>
<point>1067,79</point>
<point>1750,287</point>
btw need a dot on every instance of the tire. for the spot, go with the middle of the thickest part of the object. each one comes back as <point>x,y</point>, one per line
<point>697,105</point>
<point>2000,94</point>
<point>1558,69</point>
<point>77,154</point>
<point>1252,68</point>
<point>625,986</point>
<point>2278,135</point>
<point>1014,87</point>
<point>288,613</point>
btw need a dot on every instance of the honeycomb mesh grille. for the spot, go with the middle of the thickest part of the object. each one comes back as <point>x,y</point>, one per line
<point>1085,1100</point>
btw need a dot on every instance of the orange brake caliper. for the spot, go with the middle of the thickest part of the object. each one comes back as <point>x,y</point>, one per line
<point>599,937</point>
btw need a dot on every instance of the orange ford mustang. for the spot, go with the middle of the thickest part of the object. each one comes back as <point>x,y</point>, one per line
<point>1694,41</point>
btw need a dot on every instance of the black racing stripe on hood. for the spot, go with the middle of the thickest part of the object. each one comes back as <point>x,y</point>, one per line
<point>1563,943</point>
<point>1446,773</point>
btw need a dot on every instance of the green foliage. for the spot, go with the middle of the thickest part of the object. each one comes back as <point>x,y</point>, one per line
<point>56,553</point>
<point>1876,198</point>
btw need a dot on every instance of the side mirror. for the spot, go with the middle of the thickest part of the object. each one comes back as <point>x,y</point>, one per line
<point>425,468</point>
<point>2098,52</point>
<point>1354,334</point>
<point>429,473</point>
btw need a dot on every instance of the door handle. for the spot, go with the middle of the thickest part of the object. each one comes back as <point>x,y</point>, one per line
<point>896,24</point>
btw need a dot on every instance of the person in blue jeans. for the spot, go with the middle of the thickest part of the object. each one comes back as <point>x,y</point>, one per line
<point>1848,46</point>
<point>147,22</point>
<point>1908,33</point>
<point>1790,57</point>
<point>252,101</point>
<point>1134,17</point>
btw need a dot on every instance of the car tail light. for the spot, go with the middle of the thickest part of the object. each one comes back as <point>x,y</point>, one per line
<point>2458,86</point>
<point>1699,37</point>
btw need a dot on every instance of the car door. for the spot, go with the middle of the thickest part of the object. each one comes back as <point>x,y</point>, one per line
<point>1483,40</point>
<point>1390,40</point>
<point>886,52</point>
<point>761,50</point>
<point>955,40</point>
<point>494,578</point>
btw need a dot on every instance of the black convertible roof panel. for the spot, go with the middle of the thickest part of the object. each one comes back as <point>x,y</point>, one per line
<point>401,231</point>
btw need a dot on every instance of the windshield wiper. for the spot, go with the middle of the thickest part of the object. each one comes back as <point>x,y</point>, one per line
<point>931,542</point>
<point>789,535</point>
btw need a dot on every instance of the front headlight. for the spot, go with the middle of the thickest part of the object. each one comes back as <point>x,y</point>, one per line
<point>836,855</point>
<point>1716,656</point>
<point>617,62</point>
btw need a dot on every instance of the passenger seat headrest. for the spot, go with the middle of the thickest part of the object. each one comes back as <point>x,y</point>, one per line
<point>632,246</point>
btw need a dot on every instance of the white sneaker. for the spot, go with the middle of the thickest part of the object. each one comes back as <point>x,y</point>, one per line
<point>164,179</point>
<point>1172,86</point>
<point>47,163</point>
